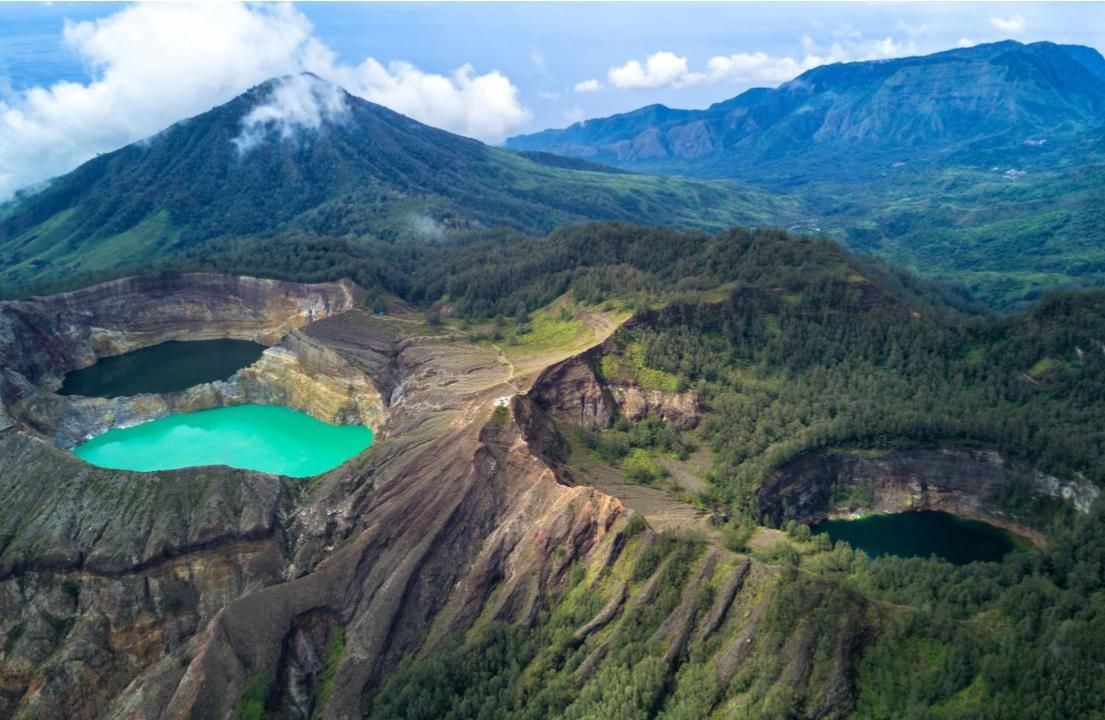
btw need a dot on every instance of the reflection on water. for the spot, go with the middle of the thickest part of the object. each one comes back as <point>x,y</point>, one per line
<point>921,534</point>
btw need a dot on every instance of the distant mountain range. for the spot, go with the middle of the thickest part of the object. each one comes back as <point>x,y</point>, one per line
<point>327,164</point>
<point>983,166</point>
<point>861,117</point>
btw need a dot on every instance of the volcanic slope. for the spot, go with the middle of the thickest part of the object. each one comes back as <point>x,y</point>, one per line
<point>348,169</point>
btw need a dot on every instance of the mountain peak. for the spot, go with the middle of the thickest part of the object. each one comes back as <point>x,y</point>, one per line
<point>286,106</point>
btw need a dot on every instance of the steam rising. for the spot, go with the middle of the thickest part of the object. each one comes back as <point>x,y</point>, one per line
<point>426,228</point>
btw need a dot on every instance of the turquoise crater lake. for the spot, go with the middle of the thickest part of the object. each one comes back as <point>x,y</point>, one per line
<point>268,438</point>
<point>922,534</point>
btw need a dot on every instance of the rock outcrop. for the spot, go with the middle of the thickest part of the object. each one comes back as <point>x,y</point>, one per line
<point>169,594</point>
<point>572,393</point>
<point>682,410</point>
<point>43,338</point>
<point>162,594</point>
<point>47,337</point>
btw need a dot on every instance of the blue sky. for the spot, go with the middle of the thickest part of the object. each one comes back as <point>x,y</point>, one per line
<point>529,65</point>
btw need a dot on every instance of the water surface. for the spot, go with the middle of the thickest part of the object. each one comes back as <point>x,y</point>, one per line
<point>168,367</point>
<point>921,534</point>
<point>269,438</point>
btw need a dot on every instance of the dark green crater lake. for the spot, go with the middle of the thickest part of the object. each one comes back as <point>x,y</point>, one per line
<point>269,438</point>
<point>921,534</point>
<point>168,367</point>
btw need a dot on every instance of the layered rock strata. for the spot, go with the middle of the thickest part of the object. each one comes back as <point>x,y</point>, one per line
<point>572,392</point>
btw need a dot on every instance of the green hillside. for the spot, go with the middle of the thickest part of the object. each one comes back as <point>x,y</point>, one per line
<point>365,173</point>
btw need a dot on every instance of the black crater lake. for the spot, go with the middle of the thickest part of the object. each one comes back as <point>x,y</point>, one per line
<point>168,367</point>
<point>921,534</point>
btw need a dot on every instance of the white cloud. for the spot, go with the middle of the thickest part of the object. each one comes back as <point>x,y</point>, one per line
<point>148,74</point>
<point>757,67</point>
<point>298,102</point>
<point>1014,25</point>
<point>425,227</point>
<point>153,64</point>
<point>666,69</point>
<point>588,86</point>
<point>483,106</point>
<point>538,61</point>
<point>662,69</point>
<point>913,30</point>
<point>965,42</point>
<point>574,115</point>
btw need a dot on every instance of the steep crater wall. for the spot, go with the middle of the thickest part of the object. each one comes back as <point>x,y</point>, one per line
<point>41,339</point>
<point>977,484</point>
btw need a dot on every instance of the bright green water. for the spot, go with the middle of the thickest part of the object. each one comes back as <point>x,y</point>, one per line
<point>256,437</point>
<point>921,534</point>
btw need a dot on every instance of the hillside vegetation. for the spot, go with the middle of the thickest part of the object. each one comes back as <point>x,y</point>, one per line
<point>796,347</point>
<point>365,173</point>
<point>978,166</point>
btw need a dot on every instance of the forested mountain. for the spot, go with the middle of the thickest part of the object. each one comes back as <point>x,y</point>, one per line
<point>960,105</point>
<point>617,376</point>
<point>301,154</point>
<point>981,166</point>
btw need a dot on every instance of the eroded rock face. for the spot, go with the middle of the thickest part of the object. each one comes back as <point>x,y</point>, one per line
<point>452,516</point>
<point>572,393</point>
<point>103,572</point>
<point>145,595</point>
<point>969,483</point>
<point>160,595</point>
<point>682,410</point>
<point>47,339</point>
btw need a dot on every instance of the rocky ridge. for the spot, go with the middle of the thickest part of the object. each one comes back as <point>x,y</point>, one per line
<point>168,607</point>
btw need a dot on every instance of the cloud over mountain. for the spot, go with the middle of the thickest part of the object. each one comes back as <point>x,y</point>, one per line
<point>153,64</point>
<point>298,102</point>
<point>666,69</point>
